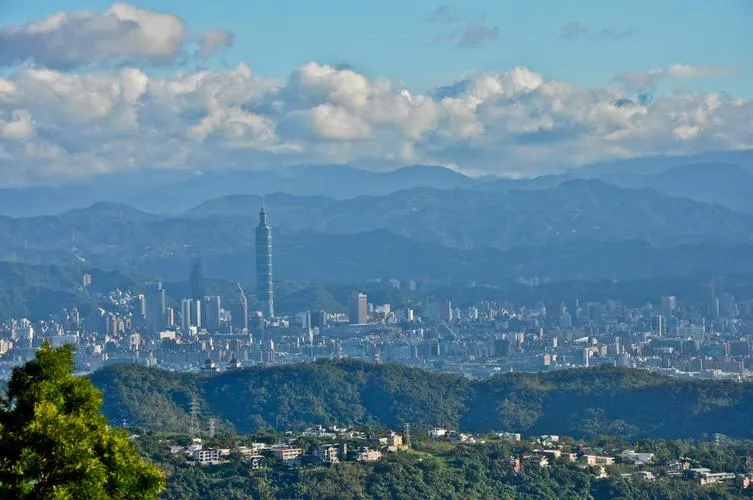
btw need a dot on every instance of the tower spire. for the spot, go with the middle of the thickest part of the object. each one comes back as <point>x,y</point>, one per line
<point>262,214</point>
<point>264,284</point>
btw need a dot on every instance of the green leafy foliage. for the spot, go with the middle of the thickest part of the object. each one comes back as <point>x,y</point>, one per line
<point>581,402</point>
<point>55,443</point>
<point>432,471</point>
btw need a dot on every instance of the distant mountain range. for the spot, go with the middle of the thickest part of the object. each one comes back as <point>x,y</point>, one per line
<point>721,183</point>
<point>574,211</point>
<point>580,229</point>
<point>174,192</point>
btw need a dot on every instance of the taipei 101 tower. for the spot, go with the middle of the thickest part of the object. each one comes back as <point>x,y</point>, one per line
<point>264,290</point>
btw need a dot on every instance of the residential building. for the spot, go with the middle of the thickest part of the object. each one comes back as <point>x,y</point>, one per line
<point>287,453</point>
<point>358,309</point>
<point>368,455</point>
<point>207,456</point>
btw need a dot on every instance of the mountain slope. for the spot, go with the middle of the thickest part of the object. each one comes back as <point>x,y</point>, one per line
<point>721,183</point>
<point>576,230</point>
<point>652,165</point>
<point>172,192</point>
<point>629,403</point>
<point>576,210</point>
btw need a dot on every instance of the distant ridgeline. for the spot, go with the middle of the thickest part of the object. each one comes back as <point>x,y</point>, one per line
<point>580,402</point>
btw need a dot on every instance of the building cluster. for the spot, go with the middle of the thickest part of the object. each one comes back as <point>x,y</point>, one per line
<point>336,445</point>
<point>543,451</point>
<point>331,446</point>
<point>711,337</point>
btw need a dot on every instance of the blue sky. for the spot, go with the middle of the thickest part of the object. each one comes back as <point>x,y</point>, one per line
<point>396,39</point>
<point>488,87</point>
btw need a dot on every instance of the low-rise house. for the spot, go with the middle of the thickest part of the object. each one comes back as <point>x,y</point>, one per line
<point>207,456</point>
<point>537,460</point>
<point>287,453</point>
<point>368,455</point>
<point>509,436</point>
<point>249,454</point>
<point>393,441</point>
<point>596,460</point>
<point>461,437</point>
<point>328,453</point>
<point>437,432</point>
<point>174,449</point>
<point>319,432</point>
<point>637,458</point>
<point>195,445</point>
<point>351,434</point>
<point>744,480</point>
<point>705,476</point>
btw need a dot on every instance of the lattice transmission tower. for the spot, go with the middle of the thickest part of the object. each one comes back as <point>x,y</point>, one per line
<point>195,429</point>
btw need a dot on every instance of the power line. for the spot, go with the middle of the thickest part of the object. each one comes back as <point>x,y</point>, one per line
<point>195,429</point>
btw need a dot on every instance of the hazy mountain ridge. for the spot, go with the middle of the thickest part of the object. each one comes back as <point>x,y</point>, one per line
<point>173,192</point>
<point>176,191</point>
<point>576,210</point>
<point>653,165</point>
<point>726,184</point>
<point>581,229</point>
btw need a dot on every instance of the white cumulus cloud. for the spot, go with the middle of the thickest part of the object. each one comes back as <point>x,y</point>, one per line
<point>58,125</point>
<point>121,34</point>
<point>69,117</point>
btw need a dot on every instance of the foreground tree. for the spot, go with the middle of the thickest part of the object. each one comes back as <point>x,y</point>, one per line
<point>55,443</point>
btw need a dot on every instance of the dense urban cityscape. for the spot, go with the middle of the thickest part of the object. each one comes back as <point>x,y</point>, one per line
<point>707,340</point>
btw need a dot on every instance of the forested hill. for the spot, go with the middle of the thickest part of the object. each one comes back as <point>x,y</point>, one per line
<point>580,402</point>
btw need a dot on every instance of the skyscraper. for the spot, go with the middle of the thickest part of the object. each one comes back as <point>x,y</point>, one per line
<point>658,325</point>
<point>197,279</point>
<point>240,312</point>
<point>358,309</point>
<point>210,314</point>
<point>155,306</point>
<point>668,306</point>
<point>264,288</point>
<point>444,312</point>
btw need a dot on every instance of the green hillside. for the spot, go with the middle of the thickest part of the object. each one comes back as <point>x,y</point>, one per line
<point>581,403</point>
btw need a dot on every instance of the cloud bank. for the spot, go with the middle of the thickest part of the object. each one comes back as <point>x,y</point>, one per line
<point>120,34</point>
<point>58,124</point>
